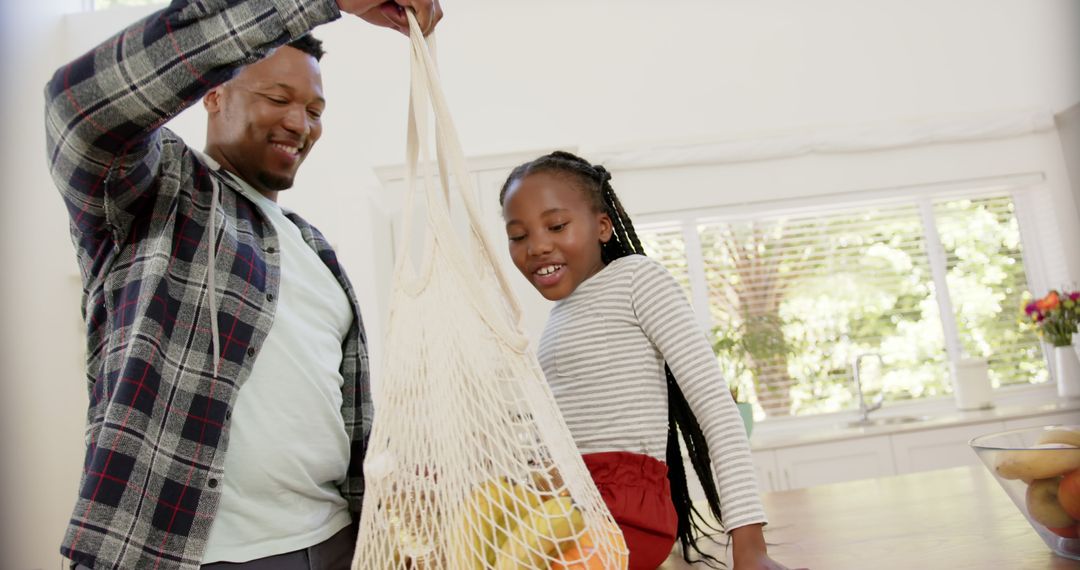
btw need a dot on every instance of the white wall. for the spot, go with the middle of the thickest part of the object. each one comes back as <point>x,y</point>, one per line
<point>44,405</point>
<point>520,76</point>
<point>1068,124</point>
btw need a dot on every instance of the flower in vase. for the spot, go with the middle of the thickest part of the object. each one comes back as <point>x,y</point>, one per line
<point>1055,316</point>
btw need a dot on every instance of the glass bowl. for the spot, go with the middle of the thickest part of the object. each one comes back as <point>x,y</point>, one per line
<point>1039,468</point>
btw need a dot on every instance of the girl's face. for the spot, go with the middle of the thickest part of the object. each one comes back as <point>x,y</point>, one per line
<point>554,233</point>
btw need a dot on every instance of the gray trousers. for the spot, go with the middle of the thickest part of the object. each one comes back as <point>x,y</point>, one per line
<point>334,553</point>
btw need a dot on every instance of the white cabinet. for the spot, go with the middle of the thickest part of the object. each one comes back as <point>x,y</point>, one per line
<point>833,462</point>
<point>765,467</point>
<point>1046,420</point>
<point>905,451</point>
<point>938,448</point>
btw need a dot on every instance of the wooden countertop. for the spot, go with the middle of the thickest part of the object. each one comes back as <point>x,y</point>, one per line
<point>952,518</point>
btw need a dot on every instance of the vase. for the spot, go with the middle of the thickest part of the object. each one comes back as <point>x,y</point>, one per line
<point>1076,344</point>
<point>746,410</point>
<point>971,384</point>
<point>1067,368</point>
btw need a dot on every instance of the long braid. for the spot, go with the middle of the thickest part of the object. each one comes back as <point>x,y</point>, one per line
<point>692,525</point>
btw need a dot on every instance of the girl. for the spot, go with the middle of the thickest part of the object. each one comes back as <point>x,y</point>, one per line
<point>619,322</point>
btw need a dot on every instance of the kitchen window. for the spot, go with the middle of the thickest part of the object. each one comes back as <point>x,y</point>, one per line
<point>791,296</point>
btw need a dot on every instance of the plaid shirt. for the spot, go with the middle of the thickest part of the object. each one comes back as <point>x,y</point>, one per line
<point>140,202</point>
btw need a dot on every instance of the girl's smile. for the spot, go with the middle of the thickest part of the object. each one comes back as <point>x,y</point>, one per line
<point>548,275</point>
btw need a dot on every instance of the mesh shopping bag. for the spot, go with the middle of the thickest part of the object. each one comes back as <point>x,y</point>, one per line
<point>469,465</point>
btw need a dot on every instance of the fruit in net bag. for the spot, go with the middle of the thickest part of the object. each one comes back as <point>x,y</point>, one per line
<point>541,535</point>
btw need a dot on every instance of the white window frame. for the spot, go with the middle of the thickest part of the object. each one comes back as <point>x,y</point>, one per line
<point>1024,190</point>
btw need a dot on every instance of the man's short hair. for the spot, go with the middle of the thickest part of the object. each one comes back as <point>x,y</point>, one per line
<point>310,45</point>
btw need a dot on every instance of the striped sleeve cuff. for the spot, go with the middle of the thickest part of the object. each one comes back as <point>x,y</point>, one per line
<point>744,519</point>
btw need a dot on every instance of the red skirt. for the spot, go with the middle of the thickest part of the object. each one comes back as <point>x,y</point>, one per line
<point>636,490</point>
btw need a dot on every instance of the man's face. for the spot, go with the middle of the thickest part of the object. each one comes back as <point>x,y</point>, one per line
<point>265,120</point>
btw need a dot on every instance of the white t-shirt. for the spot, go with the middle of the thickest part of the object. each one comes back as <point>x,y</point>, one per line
<point>288,448</point>
<point>603,352</point>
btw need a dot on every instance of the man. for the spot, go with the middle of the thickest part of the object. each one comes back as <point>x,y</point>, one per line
<point>226,358</point>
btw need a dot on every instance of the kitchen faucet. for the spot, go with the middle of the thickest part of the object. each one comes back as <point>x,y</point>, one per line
<point>864,409</point>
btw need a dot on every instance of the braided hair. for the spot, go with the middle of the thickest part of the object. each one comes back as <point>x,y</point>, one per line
<point>594,181</point>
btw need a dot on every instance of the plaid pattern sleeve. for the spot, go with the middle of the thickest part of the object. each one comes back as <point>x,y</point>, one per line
<point>139,202</point>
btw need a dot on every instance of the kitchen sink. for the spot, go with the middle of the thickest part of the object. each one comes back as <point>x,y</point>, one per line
<point>887,421</point>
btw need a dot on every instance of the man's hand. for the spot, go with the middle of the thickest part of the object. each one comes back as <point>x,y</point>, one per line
<point>391,14</point>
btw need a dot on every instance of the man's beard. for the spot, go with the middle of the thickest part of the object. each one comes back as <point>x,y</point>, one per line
<point>274,183</point>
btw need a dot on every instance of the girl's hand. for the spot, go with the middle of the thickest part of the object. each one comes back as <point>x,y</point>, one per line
<point>748,550</point>
<point>391,14</point>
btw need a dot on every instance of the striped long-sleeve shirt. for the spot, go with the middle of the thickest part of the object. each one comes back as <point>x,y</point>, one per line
<point>140,203</point>
<point>603,352</point>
